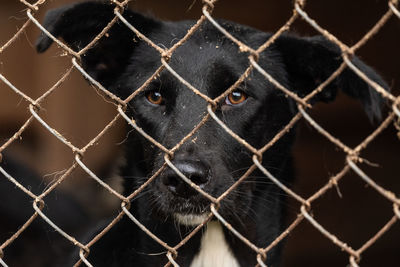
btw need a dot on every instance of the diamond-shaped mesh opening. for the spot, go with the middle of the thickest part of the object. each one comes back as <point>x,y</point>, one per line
<point>300,249</point>
<point>326,14</point>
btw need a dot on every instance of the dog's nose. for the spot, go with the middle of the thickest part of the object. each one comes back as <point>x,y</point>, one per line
<point>195,171</point>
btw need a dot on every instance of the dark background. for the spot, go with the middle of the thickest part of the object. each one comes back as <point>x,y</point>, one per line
<point>77,112</point>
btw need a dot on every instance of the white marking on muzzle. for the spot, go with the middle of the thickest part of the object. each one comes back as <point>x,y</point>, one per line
<point>190,219</point>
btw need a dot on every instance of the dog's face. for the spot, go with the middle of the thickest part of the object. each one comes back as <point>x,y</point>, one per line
<point>168,110</point>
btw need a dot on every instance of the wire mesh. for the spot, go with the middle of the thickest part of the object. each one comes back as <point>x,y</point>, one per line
<point>353,158</point>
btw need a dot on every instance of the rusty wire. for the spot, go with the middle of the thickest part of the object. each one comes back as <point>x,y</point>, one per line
<point>352,159</point>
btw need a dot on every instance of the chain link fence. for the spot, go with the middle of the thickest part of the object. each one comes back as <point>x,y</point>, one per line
<point>353,154</point>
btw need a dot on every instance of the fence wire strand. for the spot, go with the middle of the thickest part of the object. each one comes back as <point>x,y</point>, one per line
<point>352,158</point>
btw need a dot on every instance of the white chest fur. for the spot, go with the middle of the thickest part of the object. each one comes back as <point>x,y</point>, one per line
<point>214,251</point>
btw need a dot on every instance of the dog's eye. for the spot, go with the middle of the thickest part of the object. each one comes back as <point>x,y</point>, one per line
<point>154,98</point>
<point>235,97</point>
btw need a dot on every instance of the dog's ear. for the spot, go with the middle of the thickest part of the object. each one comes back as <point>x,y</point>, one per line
<point>310,61</point>
<point>78,24</point>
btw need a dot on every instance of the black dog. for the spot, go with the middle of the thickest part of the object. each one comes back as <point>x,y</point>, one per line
<point>16,208</point>
<point>168,110</point>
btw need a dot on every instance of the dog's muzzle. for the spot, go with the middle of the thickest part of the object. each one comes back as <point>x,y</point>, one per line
<point>196,171</point>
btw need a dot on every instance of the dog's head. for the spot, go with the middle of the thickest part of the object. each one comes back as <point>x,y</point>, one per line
<point>168,110</point>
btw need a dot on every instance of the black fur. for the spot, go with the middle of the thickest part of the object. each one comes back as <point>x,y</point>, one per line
<point>16,208</point>
<point>212,158</point>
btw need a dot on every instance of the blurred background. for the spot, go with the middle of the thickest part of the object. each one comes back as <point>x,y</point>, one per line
<point>79,113</point>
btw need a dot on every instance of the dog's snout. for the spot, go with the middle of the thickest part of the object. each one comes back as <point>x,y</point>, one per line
<point>195,171</point>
